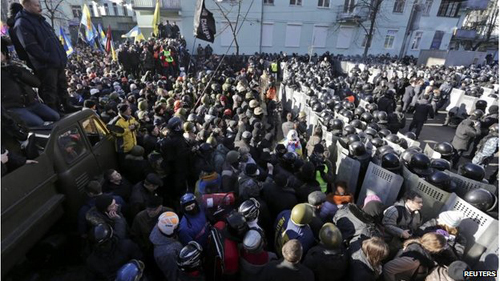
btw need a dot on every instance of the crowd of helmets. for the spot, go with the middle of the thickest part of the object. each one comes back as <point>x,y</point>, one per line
<point>209,192</point>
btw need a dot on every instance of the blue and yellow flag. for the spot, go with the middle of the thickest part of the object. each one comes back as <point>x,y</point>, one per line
<point>134,32</point>
<point>90,32</point>
<point>65,42</point>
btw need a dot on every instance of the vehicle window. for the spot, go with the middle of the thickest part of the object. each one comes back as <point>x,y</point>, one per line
<point>71,144</point>
<point>93,130</point>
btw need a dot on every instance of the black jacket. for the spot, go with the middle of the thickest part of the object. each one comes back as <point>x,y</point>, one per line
<point>40,42</point>
<point>17,83</point>
<point>324,262</point>
<point>423,110</point>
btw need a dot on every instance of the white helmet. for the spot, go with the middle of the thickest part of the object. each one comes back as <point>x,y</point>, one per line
<point>292,135</point>
<point>168,223</point>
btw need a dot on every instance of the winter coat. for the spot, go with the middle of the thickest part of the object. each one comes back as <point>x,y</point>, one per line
<point>251,271</point>
<point>284,270</point>
<point>464,133</point>
<point>423,110</point>
<point>143,225</point>
<point>194,228</point>
<point>413,263</point>
<point>408,95</point>
<point>166,250</point>
<point>17,87</point>
<point>359,266</point>
<point>279,198</point>
<point>104,264</point>
<point>82,221</point>
<point>128,139</point>
<point>323,262</point>
<point>386,104</point>
<point>40,42</point>
<point>229,178</point>
<point>407,221</point>
<point>147,60</point>
<point>354,224</point>
<point>119,225</point>
<point>219,157</point>
<point>140,198</point>
<point>287,230</point>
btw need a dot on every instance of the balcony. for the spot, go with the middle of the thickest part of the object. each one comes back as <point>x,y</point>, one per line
<point>352,14</point>
<point>476,4</point>
<point>465,34</point>
<point>168,5</point>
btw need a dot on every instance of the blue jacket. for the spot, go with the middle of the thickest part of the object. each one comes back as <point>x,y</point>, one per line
<point>166,250</point>
<point>286,230</point>
<point>194,228</point>
<point>39,40</point>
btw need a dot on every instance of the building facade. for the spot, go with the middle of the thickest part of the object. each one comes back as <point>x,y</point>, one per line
<point>402,27</point>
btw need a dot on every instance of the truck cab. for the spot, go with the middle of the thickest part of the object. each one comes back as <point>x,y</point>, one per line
<point>73,151</point>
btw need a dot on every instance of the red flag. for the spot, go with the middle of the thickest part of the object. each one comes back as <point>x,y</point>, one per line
<point>108,39</point>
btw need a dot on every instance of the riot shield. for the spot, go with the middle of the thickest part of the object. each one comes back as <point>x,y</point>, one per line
<point>433,198</point>
<point>347,169</point>
<point>464,184</point>
<point>478,228</point>
<point>381,182</point>
<point>409,141</point>
<point>431,153</point>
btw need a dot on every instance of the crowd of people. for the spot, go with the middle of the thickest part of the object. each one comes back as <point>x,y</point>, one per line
<point>206,187</point>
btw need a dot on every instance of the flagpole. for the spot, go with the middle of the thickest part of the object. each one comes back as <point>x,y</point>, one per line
<point>189,64</point>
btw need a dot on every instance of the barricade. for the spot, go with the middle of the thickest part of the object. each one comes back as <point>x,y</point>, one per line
<point>464,184</point>
<point>434,199</point>
<point>385,184</point>
<point>478,228</point>
<point>347,169</point>
<point>431,153</point>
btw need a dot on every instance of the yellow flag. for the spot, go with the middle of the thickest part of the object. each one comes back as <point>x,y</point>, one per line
<point>113,53</point>
<point>156,18</point>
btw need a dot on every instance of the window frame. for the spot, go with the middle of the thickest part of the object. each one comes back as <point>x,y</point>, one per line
<point>115,9</point>
<point>91,9</point>
<point>399,6</point>
<point>72,130</point>
<point>419,40</point>
<point>268,2</point>
<point>272,41</point>
<point>78,10</point>
<point>286,34</point>
<point>106,9</point>
<point>449,8</point>
<point>295,2</point>
<point>393,39</point>
<point>323,6</point>
<point>363,43</point>
<point>427,8</point>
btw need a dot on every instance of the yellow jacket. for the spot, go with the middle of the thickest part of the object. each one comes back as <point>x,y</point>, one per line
<point>126,140</point>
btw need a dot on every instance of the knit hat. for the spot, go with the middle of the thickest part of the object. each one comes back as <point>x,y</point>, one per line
<point>456,270</point>
<point>232,156</point>
<point>122,107</point>
<point>370,198</point>
<point>292,251</point>
<point>451,218</point>
<point>258,111</point>
<point>247,135</point>
<point>102,202</point>
<point>252,170</point>
<point>280,179</point>
<point>154,179</point>
<point>316,198</point>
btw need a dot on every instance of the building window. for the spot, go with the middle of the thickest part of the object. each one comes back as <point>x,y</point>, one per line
<point>427,7</point>
<point>269,2</point>
<point>449,8</point>
<point>91,8</point>
<point>399,6</point>
<point>389,39</point>
<point>115,9</point>
<point>320,33</point>
<point>125,10</point>
<point>324,3</point>
<point>344,37</point>
<point>416,40</point>
<point>77,11</point>
<point>296,2</point>
<point>104,10</point>
<point>267,34</point>
<point>436,41</point>
<point>293,35</point>
<point>349,6</point>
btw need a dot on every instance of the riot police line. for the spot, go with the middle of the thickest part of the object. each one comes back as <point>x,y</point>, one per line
<point>365,175</point>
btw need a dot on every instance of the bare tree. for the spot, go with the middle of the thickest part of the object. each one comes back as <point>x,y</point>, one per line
<point>233,26</point>
<point>373,10</point>
<point>486,26</point>
<point>52,9</point>
<point>484,22</point>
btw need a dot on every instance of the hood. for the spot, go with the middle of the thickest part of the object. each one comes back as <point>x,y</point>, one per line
<point>157,238</point>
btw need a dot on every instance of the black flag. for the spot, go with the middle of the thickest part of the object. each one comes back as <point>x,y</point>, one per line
<point>204,23</point>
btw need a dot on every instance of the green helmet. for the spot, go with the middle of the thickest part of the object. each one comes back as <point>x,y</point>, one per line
<point>302,214</point>
<point>330,236</point>
<point>212,141</point>
<point>188,127</point>
<point>232,156</point>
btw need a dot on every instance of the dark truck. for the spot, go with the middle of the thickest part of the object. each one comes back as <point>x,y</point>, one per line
<point>74,151</point>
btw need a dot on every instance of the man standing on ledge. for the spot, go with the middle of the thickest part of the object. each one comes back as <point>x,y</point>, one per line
<point>46,53</point>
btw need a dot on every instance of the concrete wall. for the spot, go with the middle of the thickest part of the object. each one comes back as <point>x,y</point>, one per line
<point>450,58</point>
